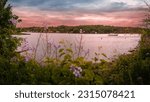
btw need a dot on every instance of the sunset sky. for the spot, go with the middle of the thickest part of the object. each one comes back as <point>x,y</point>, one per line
<point>79,12</point>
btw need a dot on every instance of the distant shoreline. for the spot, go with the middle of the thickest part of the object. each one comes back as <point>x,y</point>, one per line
<point>111,34</point>
<point>24,33</point>
<point>86,29</point>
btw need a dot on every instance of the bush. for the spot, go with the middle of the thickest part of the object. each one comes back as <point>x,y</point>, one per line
<point>8,44</point>
<point>133,68</point>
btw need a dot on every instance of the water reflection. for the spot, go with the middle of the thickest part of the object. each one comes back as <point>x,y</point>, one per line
<point>83,45</point>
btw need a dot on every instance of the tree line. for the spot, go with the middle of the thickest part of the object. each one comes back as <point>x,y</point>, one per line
<point>87,29</point>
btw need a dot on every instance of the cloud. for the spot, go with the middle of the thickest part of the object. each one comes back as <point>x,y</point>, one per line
<point>68,5</point>
<point>30,17</point>
<point>77,12</point>
<point>117,5</point>
<point>52,4</point>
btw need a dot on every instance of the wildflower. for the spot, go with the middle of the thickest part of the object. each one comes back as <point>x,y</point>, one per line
<point>72,68</point>
<point>76,70</point>
<point>27,58</point>
<point>25,45</point>
<point>13,21</point>
<point>79,69</point>
<point>77,74</point>
<point>49,42</point>
<point>26,50</point>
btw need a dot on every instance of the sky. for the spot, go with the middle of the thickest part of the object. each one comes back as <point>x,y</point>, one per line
<point>79,12</point>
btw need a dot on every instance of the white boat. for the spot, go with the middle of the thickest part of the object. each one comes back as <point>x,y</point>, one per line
<point>111,34</point>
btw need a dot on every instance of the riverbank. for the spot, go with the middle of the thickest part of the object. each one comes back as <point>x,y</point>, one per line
<point>84,29</point>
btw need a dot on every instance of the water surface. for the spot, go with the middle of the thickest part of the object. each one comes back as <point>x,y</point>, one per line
<point>88,44</point>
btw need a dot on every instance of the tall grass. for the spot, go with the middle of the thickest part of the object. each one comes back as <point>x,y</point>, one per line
<point>54,51</point>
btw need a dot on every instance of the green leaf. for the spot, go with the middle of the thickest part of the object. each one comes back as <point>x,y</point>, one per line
<point>61,50</point>
<point>62,54</point>
<point>69,50</point>
<point>89,75</point>
<point>104,55</point>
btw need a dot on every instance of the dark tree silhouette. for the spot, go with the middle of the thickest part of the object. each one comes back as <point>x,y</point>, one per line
<point>8,21</point>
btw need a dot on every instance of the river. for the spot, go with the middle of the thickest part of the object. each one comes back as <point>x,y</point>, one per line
<point>104,46</point>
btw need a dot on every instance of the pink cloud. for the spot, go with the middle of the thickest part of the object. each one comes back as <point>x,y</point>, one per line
<point>33,17</point>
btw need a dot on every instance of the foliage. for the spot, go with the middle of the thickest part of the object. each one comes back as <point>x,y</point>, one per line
<point>8,44</point>
<point>133,68</point>
<point>86,29</point>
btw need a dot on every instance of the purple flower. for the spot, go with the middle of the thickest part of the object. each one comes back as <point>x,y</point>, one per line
<point>49,42</point>
<point>13,21</point>
<point>25,45</point>
<point>76,71</point>
<point>27,58</point>
<point>72,68</point>
<point>79,69</point>
<point>77,74</point>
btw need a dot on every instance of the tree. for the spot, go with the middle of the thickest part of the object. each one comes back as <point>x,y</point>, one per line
<point>8,43</point>
<point>147,19</point>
